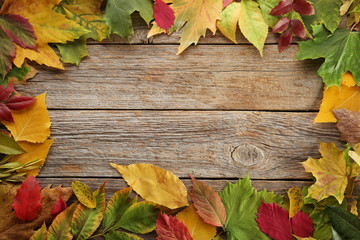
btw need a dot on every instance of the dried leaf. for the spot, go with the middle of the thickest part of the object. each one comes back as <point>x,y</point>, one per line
<point>143,177</point>
<point>348,123</point>
<point>58,207</point>
<point>9,146</point>
<point>40,234</point>
<point>84,194</point>
<point>164,15</point>
<point>170,228</point>
<point>302,225</point>
<point>296,201</point>
<point>60,228</point>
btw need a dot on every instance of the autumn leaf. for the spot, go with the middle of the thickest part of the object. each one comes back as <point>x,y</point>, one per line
<point>228,21</point>
<point>199,15</point>
<point>60,228</point>
<point>73,52</point>
<point>302,225</point>
<point>9,146</point>
<point>354,209</point>
<point>335,98</point>
<point>330,173</point>
<point>40,234</point>
<point>7,53</point>
<point>198,229</point>
<point>20,75</point>
<point>208,203</point>
<point>142,177</point>
<point>58,207</point>
<point>164,15</point>
<point>348,123</point>
<point>266,7</point>
<point>296,201</point>
<point>121,236</point>
<point>84,194</point>
<point>170,228</point>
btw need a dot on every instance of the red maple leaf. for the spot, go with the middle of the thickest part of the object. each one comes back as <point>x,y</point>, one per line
<point>58,208</point>
<point>27,200</point>
<point>164,15</point>
<point>171,228</point>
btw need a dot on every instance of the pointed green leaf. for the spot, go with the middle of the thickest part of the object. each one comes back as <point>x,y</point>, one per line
<point>40,234</point>
<point>60,228</point>
<point>266,6</point>
<point>344,222</point>
<point>73,52</point>
<point>121,236</point>
<point>84,194</point>
<point>9,146</point>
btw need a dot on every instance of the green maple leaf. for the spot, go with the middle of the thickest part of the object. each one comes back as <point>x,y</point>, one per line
<point>73,52</point>
<point>341,51</point>
<point>242,201</point>
<point>326,12</point>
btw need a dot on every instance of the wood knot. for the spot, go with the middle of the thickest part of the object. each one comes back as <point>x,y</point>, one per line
<point>248,154</point>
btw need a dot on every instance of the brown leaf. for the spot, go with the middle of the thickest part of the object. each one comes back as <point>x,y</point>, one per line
<point>13,228</point>
<point>348,123</point>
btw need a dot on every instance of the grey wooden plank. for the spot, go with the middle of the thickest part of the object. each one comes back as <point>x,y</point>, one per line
<point>209,144</point>
<point>207,77</point>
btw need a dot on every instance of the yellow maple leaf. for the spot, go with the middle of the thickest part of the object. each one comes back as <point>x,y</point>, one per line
<point>49,27</point>
<point>155,184</point>
<point>198,229</point>
<point>330,172</point>
<point>347,96</point>
<point>31,124</point>
<point>296,201</point>
<point>199,15</point>
<point>33,151</point>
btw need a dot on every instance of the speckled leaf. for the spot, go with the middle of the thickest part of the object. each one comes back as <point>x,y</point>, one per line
<point>84,194</point>
<point>296,201</point>
<point>40,234</point>
<point>60,228</point>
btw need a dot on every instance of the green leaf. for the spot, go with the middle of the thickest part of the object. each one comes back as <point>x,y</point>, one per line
<point>327,12</point>
<point>121,236</point>
<point>7,53</point>
<point>344,222</point>
<point>229,18</point>
<point>358,205</point>
<point>73,52</point>
<point>60,228</point>
<point>336,235</point>
<point>9,146</point>
<point>356,9</point>
<point>115,209</point>
<point>242,201</point>
<point>18,73</point>
<point>118,15</point>
<point>85,220</point>
<point>84,194</point>
<point>40,234</point>
<point>252,24</point>
<point>266,6</point>
<point>340,50</point>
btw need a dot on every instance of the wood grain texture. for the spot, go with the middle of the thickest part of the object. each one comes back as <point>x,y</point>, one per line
<point>207,77</point>
<point>208,144</point>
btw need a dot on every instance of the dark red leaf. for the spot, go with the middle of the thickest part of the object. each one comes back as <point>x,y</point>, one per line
<point>283,7</point>
<point>5,92</point>
<point>5,113</point>
<point>226,3</point>
<point>164,15</point>
<point>303,7</point>
<point>298,28</point>
<point>27,200</point>
<point>171,228</point>
<point>274,221</point>
<point>20,102</point>
<point>285,40</point>
<point>302,225</point>
<point>58,208</point>
<point>281,25</point>
<point>19,30</point>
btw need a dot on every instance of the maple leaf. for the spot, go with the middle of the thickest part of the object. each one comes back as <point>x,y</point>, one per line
<point>347,96</point>
<point>164,15</point>
<point>198,229</point>
<point>199,15</point>
<point>170,228</point>
<point>58,207</point>
<point>84,194</point>
<point>329,171</point>
<point>27,200</point>
<point>142,177</point>
<point>348,123</point>
<point>296,201</point>
<point>208,203</point>
<point>20,75</point>
<point>341,51</point>
<point>302,225</point>
<point>73,52</point>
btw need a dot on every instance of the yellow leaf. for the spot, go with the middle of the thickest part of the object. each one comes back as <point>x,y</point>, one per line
<point>296,201</point>
<point>84,194</point>
<point>347,96</point>
<point>155,184</point>
<point>199,15</point>
<point>33,151</point>
<point>49,27</point>
<point>198,229</point>
<point>31,124</point>
<point>354,209</point>
<point>330,173</point>
<point>229,18</point>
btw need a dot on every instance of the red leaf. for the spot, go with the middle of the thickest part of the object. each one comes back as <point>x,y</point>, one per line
<point>281,25</point>
<point>302,225</point>
<point>274,221</point>
<point>27,200</point>
<point>171,228</point>
<point>20,102</point>
<point>6,92</point>
<point>285,40</point>
<point>303,7</point>
<point>58,208</point>
<point>283,7</point>
<point>208,203</point>
<point>5,113</point>
<point>164,15</point>
<point>298,28</point>
<point>226,3</point>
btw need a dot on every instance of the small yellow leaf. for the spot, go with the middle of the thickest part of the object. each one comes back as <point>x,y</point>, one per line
<point>355,156</point>
<point>354,209</point>
<point>296,201</point>
<point>347,96</point>
<point>31,124</point>
<point>155,184</point>
<point>84,194</point>
<point>198,229</point>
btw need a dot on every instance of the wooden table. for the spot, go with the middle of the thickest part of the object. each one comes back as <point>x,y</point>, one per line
<point>218,111</point>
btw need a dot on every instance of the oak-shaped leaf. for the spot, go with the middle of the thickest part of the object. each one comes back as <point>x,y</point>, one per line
<point>27,201</point>
<point>58,207</point>
<point>84,194</point>
<point>302,225</point>
<point>164,15</point>
<point>170,228</point>
<point>208,203</point>
<point>303,7</point>
<point>344,223</point>
<point>348,123</point>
